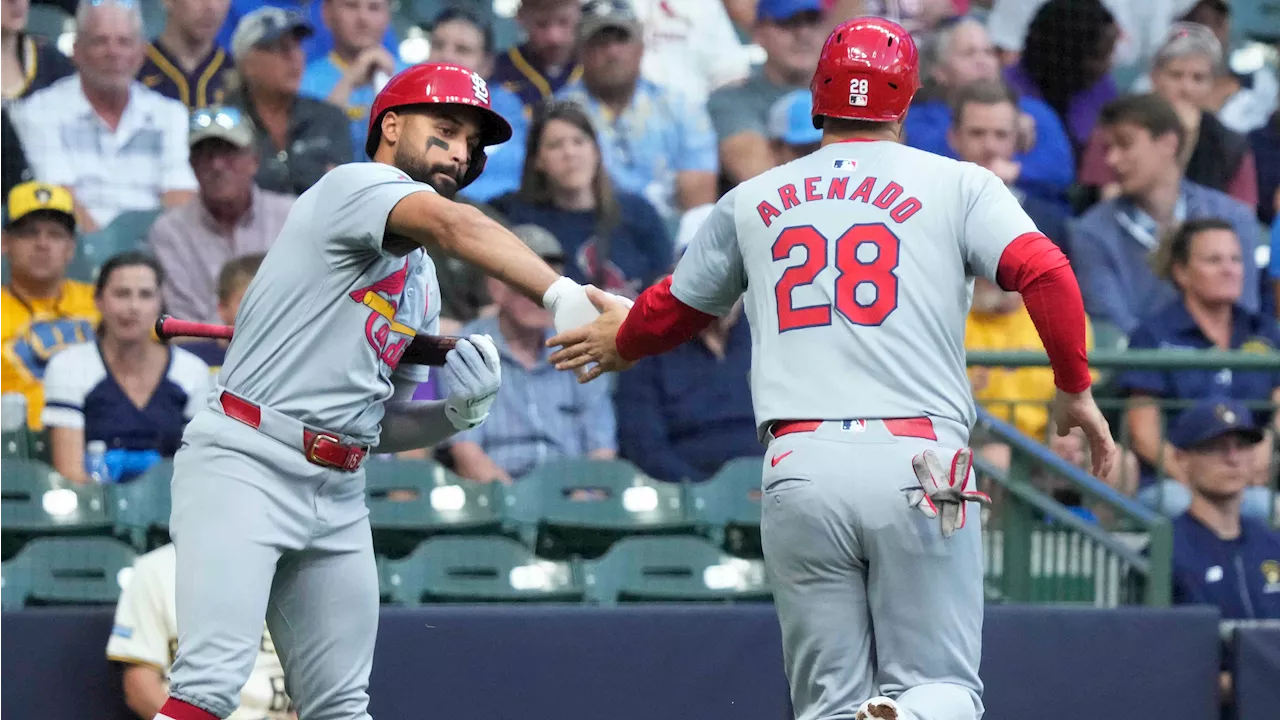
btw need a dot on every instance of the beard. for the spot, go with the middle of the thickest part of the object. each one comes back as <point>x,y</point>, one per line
<point>429,173</point>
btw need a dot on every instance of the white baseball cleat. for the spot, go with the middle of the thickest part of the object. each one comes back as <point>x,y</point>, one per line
<point>878,708</point>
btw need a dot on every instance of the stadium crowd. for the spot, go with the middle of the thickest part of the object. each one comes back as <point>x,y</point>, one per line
<point>1124,129</point>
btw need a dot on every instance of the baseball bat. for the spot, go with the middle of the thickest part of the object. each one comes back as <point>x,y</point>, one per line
<point>422,350</point>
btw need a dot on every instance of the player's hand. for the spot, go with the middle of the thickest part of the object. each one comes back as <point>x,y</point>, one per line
<point>1078,410</point>
<point>473,373</point>
<point>942,490</point>
<point>594,343</point>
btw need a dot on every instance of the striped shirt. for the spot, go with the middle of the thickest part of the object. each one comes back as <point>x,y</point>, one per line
<point>205,85</point>
<point>540,412</point>
<point>109,172</point>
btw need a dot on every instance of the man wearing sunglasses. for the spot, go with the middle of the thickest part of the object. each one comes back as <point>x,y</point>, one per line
<point>230,217</point>
<point>269,519</point>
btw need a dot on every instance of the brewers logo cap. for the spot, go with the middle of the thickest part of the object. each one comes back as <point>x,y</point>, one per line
<point>32,197</point>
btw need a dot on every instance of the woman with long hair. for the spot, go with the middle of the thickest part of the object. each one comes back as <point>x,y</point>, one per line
<point>127,389</point>
<point>616,241</point>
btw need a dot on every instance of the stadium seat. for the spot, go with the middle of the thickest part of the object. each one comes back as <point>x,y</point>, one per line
<point>479,569</point>
<point>727,506</point>
<point>48,21</point>
<point>73,571</point>
<point>37,501</point>
<point>15,585</point>
<point>38,445</point>
<point>410,500</point>
<point>141,507</point>
<point>13,444</point>
<point>673,569</point>
<point>127,232</point>
<point>577,506</point>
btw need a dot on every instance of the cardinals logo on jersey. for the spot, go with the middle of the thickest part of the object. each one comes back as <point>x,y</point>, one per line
<point>610,277</point>
<point>383,299</point>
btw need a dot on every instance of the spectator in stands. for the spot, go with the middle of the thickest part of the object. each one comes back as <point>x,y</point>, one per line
<point>548,59</point>
<point>299,138</point>
<point>127,389</point>
<point>1214,156</point>
<point>184,62</point>
<point>984,131</point>
<point>684,414</point>
<point>963,55</point>
<point>1203,260</point>
<point>1112,244</point>
<point>691,47</point>
<point>116,144</point>
<point>1066,61</point>
<point>613,240</point>
<point>792,33</point>
<point>357,67</point>
<point>41,311</point>
<point>230,216</point>
<point>1224,552</point>
<point>1243,101</point>
<point>27,64</point>
<point>144,638</point>
<point>315,46</point>
<point>542,413</point>
<point>655,144</point>
<point>462,37</point>
<point>233,281</point>
<point>1265,142</point>
<point>791,131</point>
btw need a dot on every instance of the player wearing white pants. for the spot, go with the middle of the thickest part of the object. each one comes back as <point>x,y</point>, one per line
<point>856,266</point>
<point>269,519</point>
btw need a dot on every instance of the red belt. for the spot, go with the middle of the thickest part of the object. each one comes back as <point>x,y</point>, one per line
<point>916,427</point>
<point>320,448</point>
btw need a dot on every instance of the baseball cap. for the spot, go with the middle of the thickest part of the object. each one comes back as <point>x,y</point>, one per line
<point>1210,419</point>
<point>31,197</point>
<point>783,10</point>
<point>540,241</point>
<point>220,123</point>
<point>264,25</point>
<point>791,119</point>
<point>600,14</point>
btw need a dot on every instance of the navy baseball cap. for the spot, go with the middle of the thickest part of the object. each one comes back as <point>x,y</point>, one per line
<point>791,119</point>
<point>784,10</point>
<point>1211,419</point>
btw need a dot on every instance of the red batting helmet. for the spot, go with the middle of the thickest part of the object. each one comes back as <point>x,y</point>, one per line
<point>869,70</point>
<point>439,84</point>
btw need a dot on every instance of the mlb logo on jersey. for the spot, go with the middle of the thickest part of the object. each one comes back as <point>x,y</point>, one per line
<point>854,426</point>
<point>858,92</point>
<point>844,164</point>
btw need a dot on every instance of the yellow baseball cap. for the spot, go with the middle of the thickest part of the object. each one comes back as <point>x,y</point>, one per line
<point>34,196</point>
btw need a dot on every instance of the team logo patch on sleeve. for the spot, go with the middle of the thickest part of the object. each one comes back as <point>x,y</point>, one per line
<point>121,631</point>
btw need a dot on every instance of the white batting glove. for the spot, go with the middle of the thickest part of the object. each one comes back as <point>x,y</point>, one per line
<point>569,305</point>
<point>942,490</point>
<point>472,372</point>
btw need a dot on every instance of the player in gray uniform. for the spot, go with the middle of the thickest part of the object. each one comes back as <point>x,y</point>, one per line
<point>269,519</point>
<point>857,265</point>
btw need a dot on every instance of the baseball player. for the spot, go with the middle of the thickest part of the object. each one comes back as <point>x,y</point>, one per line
<point>269,519</point>
<point>857,264</point>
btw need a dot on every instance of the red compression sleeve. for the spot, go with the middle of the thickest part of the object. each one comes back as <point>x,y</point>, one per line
<point>659,322</point>
<point>1035,267</point>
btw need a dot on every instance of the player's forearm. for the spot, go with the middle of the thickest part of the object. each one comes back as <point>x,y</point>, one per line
<point>414,424</point>
<point>658,323</point>
<point>144,691</point>
<point>1035,267</point>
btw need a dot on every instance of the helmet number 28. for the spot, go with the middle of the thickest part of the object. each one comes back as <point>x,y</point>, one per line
<point>865,259</point>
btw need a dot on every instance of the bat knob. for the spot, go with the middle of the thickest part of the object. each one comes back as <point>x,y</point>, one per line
<point>159,328</point>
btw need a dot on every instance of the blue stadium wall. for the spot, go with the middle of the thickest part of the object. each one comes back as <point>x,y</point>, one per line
<point>514,662</point>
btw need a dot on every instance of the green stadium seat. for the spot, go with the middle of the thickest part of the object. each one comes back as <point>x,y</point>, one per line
<point>578,506</point>
<point>727,506</point>
<point>141,507</point>
<point>38,445</point>
<point>48,21</point>
<point>36,501</point>
<point>15,585</point>
<point>479,569</point>
<point>13,444</point>
<point>673,569</point>
<point>127,232</point>
<point>74,571</point>
<point>410,500</point>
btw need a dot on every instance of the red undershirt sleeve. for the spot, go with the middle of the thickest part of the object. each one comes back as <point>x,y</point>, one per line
<point>659,322</point>
<point>1033,266</point>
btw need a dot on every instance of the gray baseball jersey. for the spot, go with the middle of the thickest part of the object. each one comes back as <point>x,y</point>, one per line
<point>857,262</point>
<point>323,325</point>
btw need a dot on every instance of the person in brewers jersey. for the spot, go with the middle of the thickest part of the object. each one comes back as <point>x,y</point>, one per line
<point>269,519</point>
<point>144,639</point>
<point>857,264</point>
